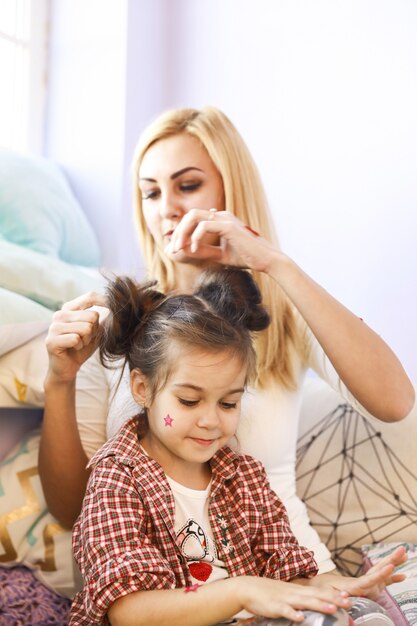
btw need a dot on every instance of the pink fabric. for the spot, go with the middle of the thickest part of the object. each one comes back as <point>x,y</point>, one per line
<point>26,601</point>
<point>387,602</point>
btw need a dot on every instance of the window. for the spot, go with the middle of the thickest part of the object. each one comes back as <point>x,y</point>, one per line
<point>23,30</point>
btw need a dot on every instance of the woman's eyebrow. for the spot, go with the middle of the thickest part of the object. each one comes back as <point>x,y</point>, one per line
<point>174,175</point>
<point>184,169</point>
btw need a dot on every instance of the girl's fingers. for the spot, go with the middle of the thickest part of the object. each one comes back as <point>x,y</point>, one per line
<point>398,557</point>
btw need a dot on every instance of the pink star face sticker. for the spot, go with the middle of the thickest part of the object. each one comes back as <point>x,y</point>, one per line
<point>192,588</point>
<point>168,420</point>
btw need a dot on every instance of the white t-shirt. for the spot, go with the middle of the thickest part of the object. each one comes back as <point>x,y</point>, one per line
<point>268,428</point>
<point>194,534</point>
<point>195,537</point>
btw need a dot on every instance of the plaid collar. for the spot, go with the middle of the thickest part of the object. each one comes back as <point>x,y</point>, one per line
<point>126,448</point>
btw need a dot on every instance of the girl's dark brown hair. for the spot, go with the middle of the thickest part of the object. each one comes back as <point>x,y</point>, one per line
<point>144,326</point>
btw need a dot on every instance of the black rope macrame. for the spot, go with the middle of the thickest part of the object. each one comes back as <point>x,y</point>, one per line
<point>354,485</point>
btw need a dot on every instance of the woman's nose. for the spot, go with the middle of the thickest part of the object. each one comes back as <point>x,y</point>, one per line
<point>170,207</point>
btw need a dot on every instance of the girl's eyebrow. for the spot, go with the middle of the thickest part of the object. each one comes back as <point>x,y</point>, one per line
<point>174,175</point>
<point>196,388</point>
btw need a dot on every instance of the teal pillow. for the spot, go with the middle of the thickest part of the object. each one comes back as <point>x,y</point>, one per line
<point>16,309</point>
<point>39,211</point>
<point>49,281</point>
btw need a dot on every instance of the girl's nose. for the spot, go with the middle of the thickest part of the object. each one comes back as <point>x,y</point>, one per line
<point>208,418</point>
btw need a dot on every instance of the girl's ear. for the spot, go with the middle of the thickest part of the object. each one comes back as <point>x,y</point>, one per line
<point>139,386</point>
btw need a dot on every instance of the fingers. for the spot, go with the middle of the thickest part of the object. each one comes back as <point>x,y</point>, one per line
<point>372,583</point>
<point>72,329</point>
<point>208,227</point>
<point>293,606</point>
<point>184,234</point>
<point>85,301</point>
<point>398,557</point>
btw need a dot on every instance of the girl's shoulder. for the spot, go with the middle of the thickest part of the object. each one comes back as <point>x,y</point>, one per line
<point>232,464</point>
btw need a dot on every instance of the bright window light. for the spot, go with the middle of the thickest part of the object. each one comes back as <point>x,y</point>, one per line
<point>23,28</point>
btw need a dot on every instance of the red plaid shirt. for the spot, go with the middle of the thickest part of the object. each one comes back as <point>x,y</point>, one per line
<point>124,539</point>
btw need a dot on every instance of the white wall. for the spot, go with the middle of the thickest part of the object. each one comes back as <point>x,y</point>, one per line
<point>86,108</point>
<point>325,94</point>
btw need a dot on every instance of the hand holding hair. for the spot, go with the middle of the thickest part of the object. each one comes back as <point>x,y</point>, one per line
<point>239,245</point>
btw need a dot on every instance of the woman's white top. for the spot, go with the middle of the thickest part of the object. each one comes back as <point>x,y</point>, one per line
<point>268,428</point>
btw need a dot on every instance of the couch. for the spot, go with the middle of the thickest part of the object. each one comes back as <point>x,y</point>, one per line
<point>357,477</point>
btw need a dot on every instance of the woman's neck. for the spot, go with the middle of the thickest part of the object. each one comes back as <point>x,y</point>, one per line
<point>186,275</point>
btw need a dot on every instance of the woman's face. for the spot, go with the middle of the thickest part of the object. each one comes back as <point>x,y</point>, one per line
<point>177,175</point>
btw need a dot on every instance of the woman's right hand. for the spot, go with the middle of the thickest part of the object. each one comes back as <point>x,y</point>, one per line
<point>276,598</point>
<point>234,244</point>
<point>72,336</point>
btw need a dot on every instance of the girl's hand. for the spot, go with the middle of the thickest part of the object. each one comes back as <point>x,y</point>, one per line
<point>220,237</point>
<point>275,598</point>
<point>72,336</point>
<point>374,581</point>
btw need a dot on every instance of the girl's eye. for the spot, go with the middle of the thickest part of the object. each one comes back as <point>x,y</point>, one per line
<point>149,195</point>
<point>190,186</point>
<point>188,402</point>
<point>228,405</point>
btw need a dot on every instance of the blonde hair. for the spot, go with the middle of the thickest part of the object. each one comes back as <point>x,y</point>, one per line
<point>244,197</point>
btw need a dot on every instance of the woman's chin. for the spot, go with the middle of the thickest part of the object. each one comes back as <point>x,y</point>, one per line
<point>184,256</point>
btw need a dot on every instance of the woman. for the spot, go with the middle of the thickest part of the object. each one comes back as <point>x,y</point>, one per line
<point>199,202</point>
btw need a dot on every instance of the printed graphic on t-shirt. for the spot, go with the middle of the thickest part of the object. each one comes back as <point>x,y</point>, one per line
<point>200,551</point>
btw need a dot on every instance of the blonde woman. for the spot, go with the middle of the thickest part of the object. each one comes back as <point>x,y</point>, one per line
<point>199,203</point>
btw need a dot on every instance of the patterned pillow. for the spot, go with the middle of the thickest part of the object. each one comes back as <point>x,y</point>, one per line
<point>399,599</point>
<point>357,477</point>
<point>29,535</point>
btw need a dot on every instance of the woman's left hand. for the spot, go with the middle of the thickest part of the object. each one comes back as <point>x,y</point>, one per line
<point>374,581</point>
<point>234,243</point>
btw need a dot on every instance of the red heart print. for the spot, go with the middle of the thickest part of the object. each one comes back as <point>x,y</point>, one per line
<point>200,570</point>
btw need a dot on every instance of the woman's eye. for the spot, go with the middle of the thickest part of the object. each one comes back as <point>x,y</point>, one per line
<point>188,402</point>
<point>228,405</point>
<point>190,186</point>
<point>149,195</point>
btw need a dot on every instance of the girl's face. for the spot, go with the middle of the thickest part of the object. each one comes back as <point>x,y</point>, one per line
<point>194,415</point>
<point>177,175</point>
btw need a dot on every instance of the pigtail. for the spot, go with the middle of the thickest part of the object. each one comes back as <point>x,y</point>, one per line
<point>130,305</point>
<point>234,296</point>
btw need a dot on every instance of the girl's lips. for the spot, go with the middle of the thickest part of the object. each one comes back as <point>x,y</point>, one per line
<point>202,442</point>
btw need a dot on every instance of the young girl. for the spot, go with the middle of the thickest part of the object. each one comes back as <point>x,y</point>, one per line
<point>170,506</point>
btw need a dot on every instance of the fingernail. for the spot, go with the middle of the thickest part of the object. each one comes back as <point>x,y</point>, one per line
<point>193,247</point>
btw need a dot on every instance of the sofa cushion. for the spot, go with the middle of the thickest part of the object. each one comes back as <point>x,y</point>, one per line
<point>30,535</point>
